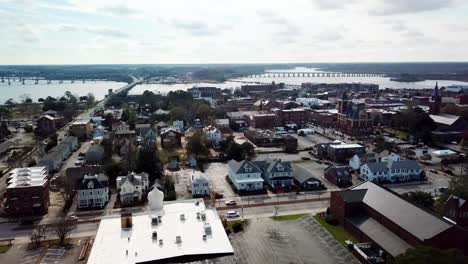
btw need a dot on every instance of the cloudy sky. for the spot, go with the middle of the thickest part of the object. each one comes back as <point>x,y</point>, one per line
<point>232,31</point>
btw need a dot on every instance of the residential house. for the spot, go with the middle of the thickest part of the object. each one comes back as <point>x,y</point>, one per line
<point>97,121</point>
<point>122,132</point>
<point>93,192</point>
<point>199,184</point>
<point>381,217</point>
<point>222,123</point>
<point>178,125</point>
<point>277,173</point>
<point>198,124</point>
<point>362,158</point>
<point>132,187</point>
<point>115,113</point>
<point>81,129</point>
<point>54,159</point>
<point>148,139</point>
<point>161,112</point>
<point>390,157</point>
<point>27,191</point>
<point>245,175</point>
<point>171,139</point>
<point>173,163</point>
<point>305,180</point>
<point>71,142</point>
<point>213,135</point>
<point>391,171</point>
<point>339,175</point>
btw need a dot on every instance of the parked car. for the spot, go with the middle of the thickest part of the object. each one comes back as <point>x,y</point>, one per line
<point>305,158</point>
<point>231,202</point>
<point>79,163</point>
<point>443,189</point>
<point>232,214</point>
<point>434,171</point>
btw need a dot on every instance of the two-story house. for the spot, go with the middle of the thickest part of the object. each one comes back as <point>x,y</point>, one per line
<point>199,184</point>
<point>171,139</point>
<point>391,171</point>
<point>132,187</point>
<point>277,173</point>
<point>93,192</point>
<point>245,175</point>
<point>213,135</point>
<point>362,158</point>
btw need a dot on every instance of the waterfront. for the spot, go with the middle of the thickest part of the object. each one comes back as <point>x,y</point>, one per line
<point>165,88</point>
<point>55,89</point>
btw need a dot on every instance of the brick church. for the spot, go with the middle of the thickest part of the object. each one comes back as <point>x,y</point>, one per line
<point>352,118</point>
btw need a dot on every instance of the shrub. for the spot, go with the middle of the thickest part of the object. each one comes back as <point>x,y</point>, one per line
<point>228,231</point>
<point>32,163</point>
<point>237,227</point>
<point>28,128</point>
<point>331,219</point>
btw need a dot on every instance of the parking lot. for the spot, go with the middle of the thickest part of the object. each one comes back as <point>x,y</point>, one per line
<point>296,241</point>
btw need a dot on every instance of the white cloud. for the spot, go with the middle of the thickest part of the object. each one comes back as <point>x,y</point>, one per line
<point>100,31</point>
<point>390,7</point>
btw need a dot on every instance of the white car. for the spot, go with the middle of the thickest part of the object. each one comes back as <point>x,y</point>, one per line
<point>231,202</point>
<point>232,214</point>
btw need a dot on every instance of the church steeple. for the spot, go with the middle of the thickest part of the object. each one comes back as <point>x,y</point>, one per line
<point>436,101</point>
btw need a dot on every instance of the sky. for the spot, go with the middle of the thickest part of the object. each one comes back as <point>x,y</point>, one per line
<point>231,31</point>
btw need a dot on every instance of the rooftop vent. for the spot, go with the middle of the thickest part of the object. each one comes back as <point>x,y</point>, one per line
<point>182,217</point>
<point>203,216</point>
<point>159,219</point>
<point>178,239</point>
<point>154,221</point>
<point>207,228</point>
<point>160,242</point>
<point>155,235</point>
<point>204,237</point>
<point>198,215</point>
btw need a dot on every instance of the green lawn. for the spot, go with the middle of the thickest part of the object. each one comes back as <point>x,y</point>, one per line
<point>338,232</point>
<point>287,217</point>
<point>399,133</point>
<point>4,248</point>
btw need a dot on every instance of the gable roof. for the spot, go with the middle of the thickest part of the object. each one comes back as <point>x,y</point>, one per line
<point>302,175</point>
<point>96,183</point>
<point>239,167</point>
<point>413,219</point>
<point>377,166</point>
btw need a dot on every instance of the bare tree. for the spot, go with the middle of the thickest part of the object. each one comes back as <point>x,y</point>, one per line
<point>38,235</point>
<point>63,228</point>
<point>67,189</point>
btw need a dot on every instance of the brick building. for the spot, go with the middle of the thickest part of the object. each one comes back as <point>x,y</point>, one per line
<point>297,116</point>
<point>27,191</point>
<point>352,118</point>
<point>374,214</point>
<point>81,129</point>
<point>456,209</point>
<point>263,121</point>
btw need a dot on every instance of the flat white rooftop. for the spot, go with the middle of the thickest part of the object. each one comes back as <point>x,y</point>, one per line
<point>344,145</point>
<point>136,245</point>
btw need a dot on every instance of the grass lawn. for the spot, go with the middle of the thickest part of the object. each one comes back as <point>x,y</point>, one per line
<point>399,133</point>
<point>338,232</point>
<point>4,248</point>
<point>287,217</point>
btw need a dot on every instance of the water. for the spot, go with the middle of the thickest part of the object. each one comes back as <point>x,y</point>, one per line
<point>383,82</point>
<point>55,89</point>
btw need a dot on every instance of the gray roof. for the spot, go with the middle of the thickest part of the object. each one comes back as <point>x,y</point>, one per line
<point>411,218</point>
<point>378,166</point>
<point>389,241</point>
<point>239,167</point>
<point>404,164</point>
<point>302,175</point>
<point>353,196</point>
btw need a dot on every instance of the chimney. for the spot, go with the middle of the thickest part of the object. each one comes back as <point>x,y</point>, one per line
<point>126,220</point>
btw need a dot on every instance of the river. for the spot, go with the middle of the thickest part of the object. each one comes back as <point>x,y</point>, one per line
<point>55,89</point>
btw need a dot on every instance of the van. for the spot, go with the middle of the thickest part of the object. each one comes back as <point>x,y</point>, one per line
<point>232,214</point>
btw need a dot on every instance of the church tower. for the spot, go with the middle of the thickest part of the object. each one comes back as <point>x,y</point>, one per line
<point>436,101</point>
<point>343,103</point>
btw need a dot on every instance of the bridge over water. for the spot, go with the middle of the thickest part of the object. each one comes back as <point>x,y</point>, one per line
<point>270,74</point>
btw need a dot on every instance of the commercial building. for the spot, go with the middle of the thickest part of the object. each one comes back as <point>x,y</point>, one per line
<point>456,209</point>
<point>338,151</point>
<point>374,214</point>
<point>27,191</point>
<point>297,116</point>
<point>81,129</point>
<point>391,171</point>
<point>173,232</point>
<point>352,118</point>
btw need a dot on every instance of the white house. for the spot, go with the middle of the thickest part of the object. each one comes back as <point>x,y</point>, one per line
<point>392,171</point>
<point>199,184</point>
<point>93,191</point>
<point>132,187</point>
<point>222,123</point>
<point>245,175</point>
<point>179,125</point>
<point>360,159</point>
<point>213,135</point>
<point>391,157</point>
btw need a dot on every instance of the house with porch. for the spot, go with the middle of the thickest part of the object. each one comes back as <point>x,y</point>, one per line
<point>245,175</point>
<point>132,187</point>
<point>93,192</point>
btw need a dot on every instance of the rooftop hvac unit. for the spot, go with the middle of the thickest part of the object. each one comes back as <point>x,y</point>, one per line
<point>198,215</point>
<point>204,237</point>
<point>207,228</point>
<point>155,235</point>
<point>203,216</point>
<point>182,217</point>
<point>178,239</point>
<point>154,221</point>
<point>160,242</point>
<point>159,219</point>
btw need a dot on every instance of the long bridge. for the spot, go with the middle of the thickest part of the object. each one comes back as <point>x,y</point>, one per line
<point>37,80</point>
<point>314,74</point>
